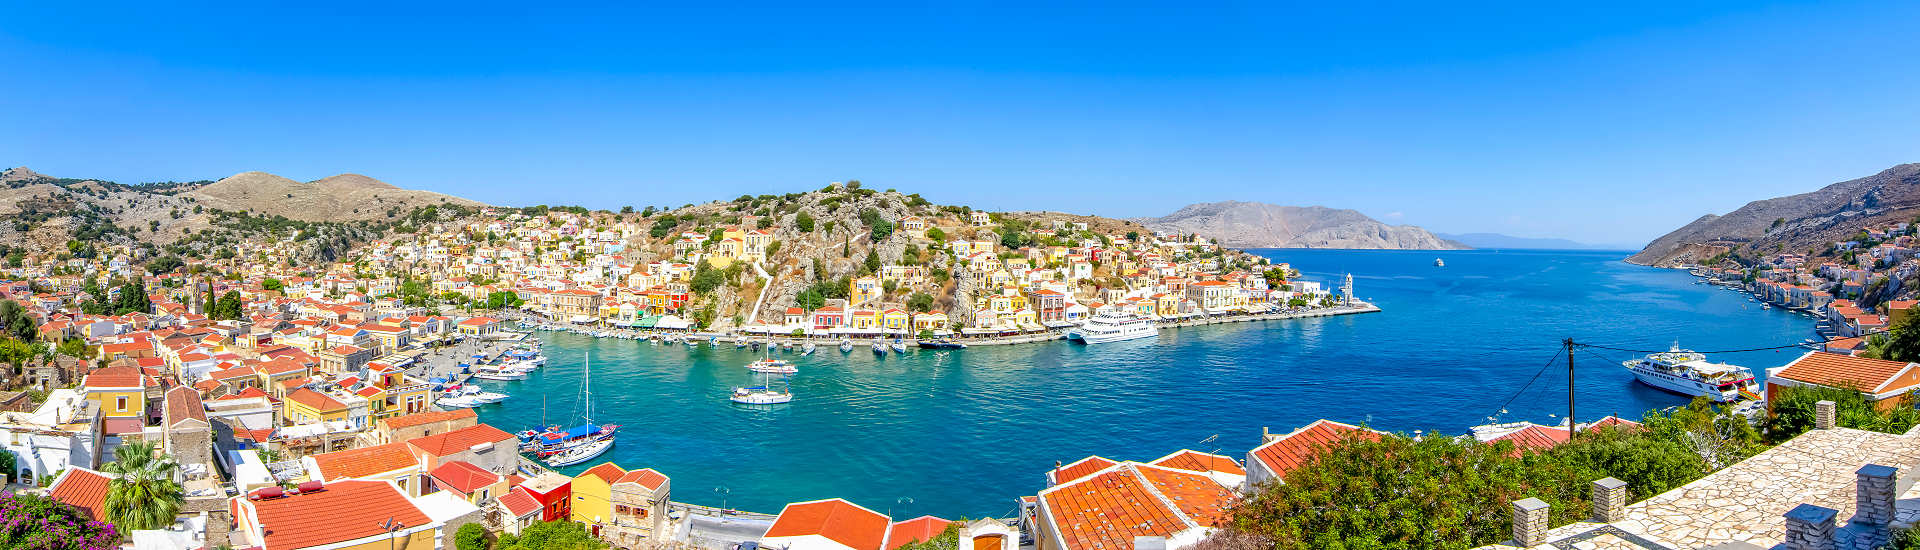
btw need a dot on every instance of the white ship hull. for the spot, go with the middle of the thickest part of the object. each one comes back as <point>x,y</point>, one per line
<point>1121,335</point>
<point>1683,386</point>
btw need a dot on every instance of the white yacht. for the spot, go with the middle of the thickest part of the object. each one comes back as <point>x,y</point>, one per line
<point>1113,326</point>
<point>772,366</point>
<point>580,453</point>
<point>1687,372</point>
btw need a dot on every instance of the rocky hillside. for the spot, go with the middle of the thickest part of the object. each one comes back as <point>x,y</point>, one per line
<point>337,198</point>
<point>1260,225</point>
<point>1805,223</point>
<point>52,214</point>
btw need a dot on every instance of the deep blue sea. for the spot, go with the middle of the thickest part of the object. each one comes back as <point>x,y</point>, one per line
<point>965,433</point>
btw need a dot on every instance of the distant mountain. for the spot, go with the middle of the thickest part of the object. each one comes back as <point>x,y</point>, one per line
<point>1804,223</point>
<point>1496,240</point>
<point>1260,225</point>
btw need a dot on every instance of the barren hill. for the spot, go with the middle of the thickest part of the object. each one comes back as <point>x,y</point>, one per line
<point>1805,223</point>
<point>1261,225</point>
<point>337,198</point>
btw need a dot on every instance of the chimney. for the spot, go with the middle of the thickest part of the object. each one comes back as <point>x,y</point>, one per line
<point>1823,415</point>
<point>1609,500</point>
<point>1874,494</point>
<point>1810,527</point>
<point>1529,522</point>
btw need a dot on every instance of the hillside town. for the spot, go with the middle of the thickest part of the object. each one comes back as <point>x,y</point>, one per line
<point>1856,288</point>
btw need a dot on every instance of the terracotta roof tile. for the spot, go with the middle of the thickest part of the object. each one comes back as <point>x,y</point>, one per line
<point>343,511</point>
<point>917,529</point>
<point>1078,469</point>
<point>423,418</point>
<point>519,502</point>
<point>365,461</point>
<point>835,519</point>
<point>463,476</point>
<point>443,444</point>
<point>1836,370</point>
<point>1200,462</point>
<point>645,477</point>
<point>606,471</point>
<point>1299,447</point>
<point>83,488</point>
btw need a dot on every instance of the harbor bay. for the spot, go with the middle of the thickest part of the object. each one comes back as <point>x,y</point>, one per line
<point>966,432</point>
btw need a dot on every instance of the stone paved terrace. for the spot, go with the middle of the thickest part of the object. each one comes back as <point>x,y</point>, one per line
<point>1745,502</point>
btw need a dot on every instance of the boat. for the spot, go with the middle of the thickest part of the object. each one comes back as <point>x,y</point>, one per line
<point>470,390</point>
<point>496,373</point>
<point>846,345</point>
<point>1439,262</point>
<point>942,343</point>
<point>879,347</point>
<point>1766,306</point>
<point>899,346</point>
<point>772,366</point>
<point>580,454</point>
<point>1112,326</point>
<point>1687,372</point>
<point>760,395</point>
<point>740,342</point>
<point>457,402</point>
<point>807,349</point>
<point>556,440</point>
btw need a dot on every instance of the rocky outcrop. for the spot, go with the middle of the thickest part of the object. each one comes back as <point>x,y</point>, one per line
<point>336,198</point>
<point>1260,225</point>
<point>1803,223</point>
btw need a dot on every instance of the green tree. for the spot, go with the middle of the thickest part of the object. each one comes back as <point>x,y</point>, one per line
<point>551,535</point>
<point>810,300</point>
<point>1793,406</point>
<point>272,284</point>
<point>40,522</point>
<point>936,235</point>
<point>920,302</point>
<point>143,493</point>
<point>229,306</point>
<point>165,264</point>
<point>133,299</point>
<point>473,536</point>
<point>663,226</point>
<point>804,222</point>
<point>1899,343</point>
<point>1133,236</point>
<point>18,322</point>
<point>873,260</point>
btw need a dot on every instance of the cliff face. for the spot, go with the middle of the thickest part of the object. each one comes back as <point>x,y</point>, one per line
<point>1803,223</point>
<point>1259,225</point>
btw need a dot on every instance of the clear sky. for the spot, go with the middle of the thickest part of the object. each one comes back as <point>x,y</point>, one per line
<point>1608,122</point>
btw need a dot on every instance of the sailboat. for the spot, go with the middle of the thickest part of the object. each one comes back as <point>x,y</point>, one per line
<point>762,394</point>
<point>565,447</point>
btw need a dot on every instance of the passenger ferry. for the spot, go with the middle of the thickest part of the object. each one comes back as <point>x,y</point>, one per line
<point>1687,372</point>
<point>1113,326</point>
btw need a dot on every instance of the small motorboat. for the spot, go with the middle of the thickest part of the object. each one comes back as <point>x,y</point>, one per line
<point>846,345</point>
<point>457,402</point>
<point>899,346</point>
<point>942,343</point>
<point>772,366</point>
<point>879,347</point>
<point>807,349</point>
<point>499,374</point>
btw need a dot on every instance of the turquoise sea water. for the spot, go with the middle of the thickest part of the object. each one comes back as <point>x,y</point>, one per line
<point>964,433</point>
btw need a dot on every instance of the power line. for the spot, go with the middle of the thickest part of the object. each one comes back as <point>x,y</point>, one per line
<point>1551,359</point>
<point>1767,348</point>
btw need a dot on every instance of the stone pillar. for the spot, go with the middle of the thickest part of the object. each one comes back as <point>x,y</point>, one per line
<point>1810,527</point>
<point>219,528</point>
<point>1609,500</point>
<point>1823,415</point>
<point>1874,494</point>
<point>1529,522</point>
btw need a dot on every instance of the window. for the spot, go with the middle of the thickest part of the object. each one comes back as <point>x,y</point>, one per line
<point>120,403</point>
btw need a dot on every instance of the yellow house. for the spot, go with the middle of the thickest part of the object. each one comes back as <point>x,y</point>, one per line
<point>1166,305</point>
<point>305,406</point>
<point>1023,317</point>
<point>863,318</point>
<point>593,494</point>
<point>863,289</point>
<point>120,393</point>
<point>894,319</point>
<point>932,320</point>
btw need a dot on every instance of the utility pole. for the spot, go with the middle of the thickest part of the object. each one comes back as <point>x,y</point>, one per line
<point>1570,429</point>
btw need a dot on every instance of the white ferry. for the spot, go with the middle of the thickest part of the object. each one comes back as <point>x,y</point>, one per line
<point>1687,372</point>
<point>772,366</point>
<point>1113,326</point>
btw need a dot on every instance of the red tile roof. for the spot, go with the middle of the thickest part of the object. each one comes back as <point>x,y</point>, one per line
<point>343,511</point>
<point>183,403</point>
<point>1295,449</point>
<point>114,377</point>
<point>1837,370</point>
<point>1111,507</point>
<point>914,530</point>
<point>364,461</point>
<point>1534,438</point>
<point>1200,462</point>
<point>315,400</point>
<point>1078,469</point>
<point>519,502</point>
<point>84,489</point>
<point>645,477</point>
<point>463,476</point>
<point>606,471</point>
<point>429,417</point>
<point>836,520</point>
<point>443,444</point>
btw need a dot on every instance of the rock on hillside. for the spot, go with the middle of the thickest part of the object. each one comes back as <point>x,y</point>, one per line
<point>336,198</point>
<point>1806,223</point>
<point>1260,225</point>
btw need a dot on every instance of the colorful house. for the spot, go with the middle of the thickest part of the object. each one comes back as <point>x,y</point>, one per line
<point>593,495</point>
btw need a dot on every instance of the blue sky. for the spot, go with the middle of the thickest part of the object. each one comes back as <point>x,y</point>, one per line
<point>1608,122</point>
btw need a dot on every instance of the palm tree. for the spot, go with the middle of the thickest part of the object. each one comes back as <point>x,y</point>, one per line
<point>143,493</point>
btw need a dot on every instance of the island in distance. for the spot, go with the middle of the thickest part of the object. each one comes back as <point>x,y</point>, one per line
<point>1260,225</point>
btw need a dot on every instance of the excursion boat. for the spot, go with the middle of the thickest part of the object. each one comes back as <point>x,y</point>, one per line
<point>772,366</point>
<point>1687,372</point>
<point>556,441</point>
<point>484,397</point>
<point>490,372</point>
<point>457,402</point>
<point>942,343</point>
<point>1113,326</point>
